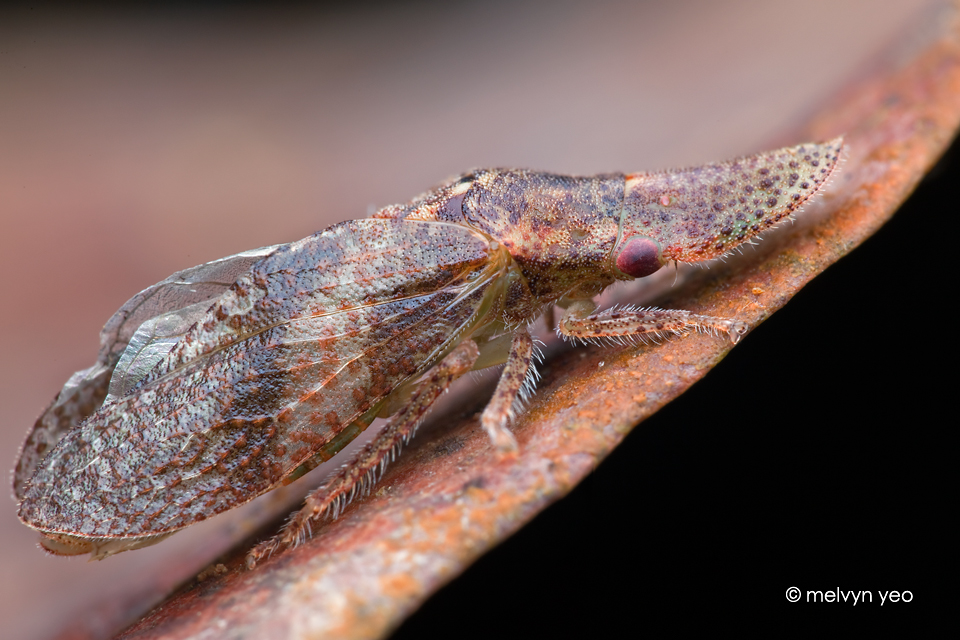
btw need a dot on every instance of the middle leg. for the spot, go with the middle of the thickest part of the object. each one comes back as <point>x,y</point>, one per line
<point>512,388</point>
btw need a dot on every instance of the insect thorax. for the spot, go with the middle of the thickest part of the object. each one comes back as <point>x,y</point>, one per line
<point>560,230</point>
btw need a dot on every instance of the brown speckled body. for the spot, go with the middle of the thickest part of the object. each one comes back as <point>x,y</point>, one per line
<point>279,370</point>
<point>560,230</point>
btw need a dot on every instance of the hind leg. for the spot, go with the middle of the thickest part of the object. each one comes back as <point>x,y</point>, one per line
<point>360,474</point>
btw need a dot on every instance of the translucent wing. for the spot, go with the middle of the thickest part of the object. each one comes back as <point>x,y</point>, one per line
<point>311,338</point>
<point>157,314</point>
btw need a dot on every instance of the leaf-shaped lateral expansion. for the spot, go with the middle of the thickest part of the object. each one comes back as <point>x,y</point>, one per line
<point>701,213</point>
<point>314,337</point>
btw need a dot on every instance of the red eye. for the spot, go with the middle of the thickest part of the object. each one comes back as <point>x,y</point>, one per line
<point>639,258</point>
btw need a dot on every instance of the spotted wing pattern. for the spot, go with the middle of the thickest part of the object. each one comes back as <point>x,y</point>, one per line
<point>170,307</point>
<point>314,336</point>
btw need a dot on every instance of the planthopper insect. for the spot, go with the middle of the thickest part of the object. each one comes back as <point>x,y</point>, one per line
<point>229,379</point>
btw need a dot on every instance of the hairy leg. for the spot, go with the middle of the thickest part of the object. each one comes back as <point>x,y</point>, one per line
<point>359,475</point>
<point>580,322</point>
<point>514,385</point>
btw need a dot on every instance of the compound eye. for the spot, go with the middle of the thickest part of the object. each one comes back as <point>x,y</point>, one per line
<point>639,258</point>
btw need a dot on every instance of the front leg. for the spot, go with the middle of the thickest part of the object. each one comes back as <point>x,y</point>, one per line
<point>582,323</point>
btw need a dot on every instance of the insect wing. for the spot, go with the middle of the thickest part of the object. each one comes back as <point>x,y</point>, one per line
<point>141,328</point>
<point>311,338</point>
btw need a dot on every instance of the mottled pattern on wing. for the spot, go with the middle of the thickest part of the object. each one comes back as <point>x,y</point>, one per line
<point>311,338</point>
<point>68,409</point>
<point>85,391</point>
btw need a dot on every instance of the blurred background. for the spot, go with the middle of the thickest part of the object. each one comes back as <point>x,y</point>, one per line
<point>135,142</point>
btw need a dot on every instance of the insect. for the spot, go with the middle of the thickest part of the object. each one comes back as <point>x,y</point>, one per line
<point>229,379</point>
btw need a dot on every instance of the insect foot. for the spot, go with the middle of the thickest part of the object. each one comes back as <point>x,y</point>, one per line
<point>232,378</point>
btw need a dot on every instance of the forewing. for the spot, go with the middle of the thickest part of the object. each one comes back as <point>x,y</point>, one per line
<point>312,337</point>
<point>132,341</point>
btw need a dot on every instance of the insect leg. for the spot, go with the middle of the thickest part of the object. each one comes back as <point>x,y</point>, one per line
<point>359,475</point>
<point>625,323</point>
<point>549,317</point>
<point>511,389</point>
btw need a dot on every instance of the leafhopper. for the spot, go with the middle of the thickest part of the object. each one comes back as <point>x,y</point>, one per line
<point>229,379</point>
